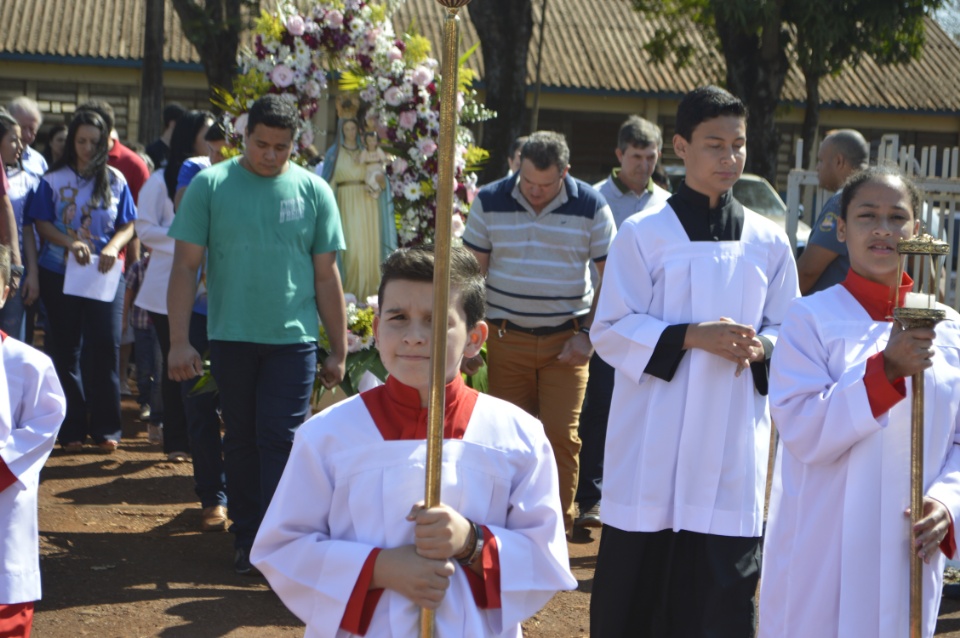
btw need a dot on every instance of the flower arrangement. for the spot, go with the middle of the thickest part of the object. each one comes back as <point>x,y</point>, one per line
<point>296,53</point>
<point>362,354</point>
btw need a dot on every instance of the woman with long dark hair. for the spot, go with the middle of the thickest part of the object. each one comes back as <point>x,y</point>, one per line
<point>56,141</point>
<point>156,215</point>
<point>83,209</point>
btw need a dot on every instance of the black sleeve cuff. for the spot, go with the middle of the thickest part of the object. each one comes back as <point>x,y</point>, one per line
<point>668,353</point>
<point>761,369</point>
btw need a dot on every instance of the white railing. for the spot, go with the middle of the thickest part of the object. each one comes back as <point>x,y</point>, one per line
<point>941,201</point>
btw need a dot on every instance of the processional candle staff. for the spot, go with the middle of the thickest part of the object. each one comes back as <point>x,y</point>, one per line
<point>919,312</point>
<point>441,268</point>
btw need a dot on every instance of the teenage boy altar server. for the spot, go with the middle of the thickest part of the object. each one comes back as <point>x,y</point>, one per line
<point>838,540</point>
<point>688,314</point>
<point>32,407</point>
<point>346,543</point>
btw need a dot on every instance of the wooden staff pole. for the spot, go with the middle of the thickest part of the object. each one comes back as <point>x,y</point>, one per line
<point>441,267</point>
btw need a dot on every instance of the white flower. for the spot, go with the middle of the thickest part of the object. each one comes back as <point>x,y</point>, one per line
<point>240,126</point>
<point>383,83</point>
<point>457,226</point>
<point>412,191</point>
<point>394,54</point>
<point>354,343</point>
<point>373,302</point>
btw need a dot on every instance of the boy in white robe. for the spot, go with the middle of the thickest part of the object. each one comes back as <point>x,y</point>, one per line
<point>688,315</point>
<point>346,544</point>
<point>32,407</point>
<point>838,542</point>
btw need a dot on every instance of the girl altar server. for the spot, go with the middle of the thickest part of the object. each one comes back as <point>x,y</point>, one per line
<point>32,407</point>
<point>340,543</point>
<point>836,554</point>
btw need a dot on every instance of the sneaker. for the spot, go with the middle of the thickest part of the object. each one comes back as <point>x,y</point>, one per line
<point>155,433</point>
<point>590,518</point>
<point>178,457</point>
<point>144,411</point>
<point>242,564</point>
<point>213,518</point>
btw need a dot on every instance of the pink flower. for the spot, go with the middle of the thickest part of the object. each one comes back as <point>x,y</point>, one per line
<point>334,19</point>
<point>393,96</point>
<point>426,146</point>
<point>354,343</point>
<point>374,302</point>
<point>394,54</point>
<point>400,165</point>
<point>457,226</point>
<point>296,26</point>
<point>408,119</point>
<point>312,88</point>
<point>422,76</point>
<point>282,76</point>
<point>372,35</point>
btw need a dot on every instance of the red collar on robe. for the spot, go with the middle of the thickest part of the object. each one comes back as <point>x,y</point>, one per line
<point>876,298</point>
<point>397,413</point>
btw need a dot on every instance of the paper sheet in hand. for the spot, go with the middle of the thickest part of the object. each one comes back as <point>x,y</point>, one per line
<point>87,281</point>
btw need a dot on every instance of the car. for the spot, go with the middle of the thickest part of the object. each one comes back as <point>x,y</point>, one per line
<point>758,195</point>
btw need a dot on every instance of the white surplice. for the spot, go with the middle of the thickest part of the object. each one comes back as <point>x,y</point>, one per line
<point>836,550</point>
<point>35,407</point>
<point>690,453</point>
<point>346,491</point>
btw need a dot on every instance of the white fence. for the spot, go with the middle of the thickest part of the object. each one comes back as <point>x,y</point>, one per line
<point>941,193</point>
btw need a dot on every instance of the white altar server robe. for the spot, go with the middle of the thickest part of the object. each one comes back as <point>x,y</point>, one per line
<point>836,552</point>
<point>346,491</point>
<point>690,453</point>
<point>31,410</point>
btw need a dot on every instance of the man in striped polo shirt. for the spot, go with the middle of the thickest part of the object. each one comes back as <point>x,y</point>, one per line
<point>535,234</point>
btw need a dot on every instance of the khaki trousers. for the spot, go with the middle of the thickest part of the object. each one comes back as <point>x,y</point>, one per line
<point>524,371</point>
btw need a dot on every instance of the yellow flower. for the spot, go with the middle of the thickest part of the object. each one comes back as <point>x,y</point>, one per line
<point>476,157</point>
<point>418,48</point>
<point>269,26</point>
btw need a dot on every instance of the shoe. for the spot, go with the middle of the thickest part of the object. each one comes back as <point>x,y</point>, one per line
<point>178,457</point>
<point>590,518</point>
<point>144,411</point>
<point>109,446</point>
<point>125,390</point>
<point>155,434</point>
<point>213,518</point>
<point>242,564</point>
<point>74,447</point>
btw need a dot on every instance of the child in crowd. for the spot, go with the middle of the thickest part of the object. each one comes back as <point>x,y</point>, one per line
<point>147,350</point>
<point>32,407</point>
<point>693,296</point>
<point>837,551</point>
<point>345,542</point>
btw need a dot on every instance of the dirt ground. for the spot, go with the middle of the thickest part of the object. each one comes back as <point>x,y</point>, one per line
<point>122,557</point>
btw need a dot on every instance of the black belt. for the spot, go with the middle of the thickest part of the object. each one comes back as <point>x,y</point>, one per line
<point>505,326</point>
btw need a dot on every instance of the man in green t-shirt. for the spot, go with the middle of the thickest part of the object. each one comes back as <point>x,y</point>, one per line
<point>271,232</point>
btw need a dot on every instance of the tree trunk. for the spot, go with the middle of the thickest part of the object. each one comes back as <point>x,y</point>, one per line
<point>214,29</point>
<point>811,117</point>
<point>505,28</point>
<point>756,69</point>
<point>151,78</point>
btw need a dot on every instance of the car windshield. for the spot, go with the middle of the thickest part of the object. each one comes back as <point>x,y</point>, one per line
<point>758,197</point>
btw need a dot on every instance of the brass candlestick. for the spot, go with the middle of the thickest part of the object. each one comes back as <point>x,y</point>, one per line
<point>924,247</point>
<point>441,264</point>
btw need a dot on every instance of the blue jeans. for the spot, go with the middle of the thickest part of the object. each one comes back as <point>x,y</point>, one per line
<point>149,369</point>
<point>593,431</point>
<point>203,426</point>
<point>86,355</point>
<point>265,396</point>
<point>12,315</point>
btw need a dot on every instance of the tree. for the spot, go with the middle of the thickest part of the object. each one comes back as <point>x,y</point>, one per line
<point>754,37</point>
<point>891,32</point>
<point>505,28</point>
<point>214,28</point>
<point>151,77</point>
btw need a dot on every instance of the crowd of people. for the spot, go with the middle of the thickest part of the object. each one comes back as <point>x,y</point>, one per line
<point>640,343</point>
